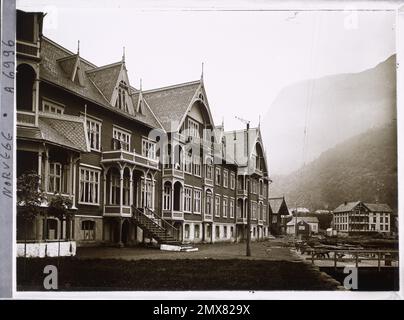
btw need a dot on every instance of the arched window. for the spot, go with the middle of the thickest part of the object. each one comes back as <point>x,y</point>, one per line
<point>186,231</point>
<point>122,100</point>
<point>197,231</point>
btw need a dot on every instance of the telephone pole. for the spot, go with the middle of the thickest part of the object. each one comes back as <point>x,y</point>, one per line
<point>248,245</point>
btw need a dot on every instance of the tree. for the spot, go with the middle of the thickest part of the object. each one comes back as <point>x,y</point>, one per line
<point>30,198</point>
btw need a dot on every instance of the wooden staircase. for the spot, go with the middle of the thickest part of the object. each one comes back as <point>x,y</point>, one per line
<point>158,228</point>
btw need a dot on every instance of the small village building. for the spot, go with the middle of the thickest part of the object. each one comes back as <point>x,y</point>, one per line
<point>279,214</point>
<point>292,227</point>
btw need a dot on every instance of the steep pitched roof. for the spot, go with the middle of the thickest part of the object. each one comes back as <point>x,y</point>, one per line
<point>275,204</point>
<point>105,78</point>
<point>52,71</point>
<point>345,207</point>
<point>305,219</point>
<point>170,104</point>
<point>378,207</point>
<point>60,130</point>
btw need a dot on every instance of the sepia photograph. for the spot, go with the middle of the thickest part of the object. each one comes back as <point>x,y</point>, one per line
<point>242,147</point>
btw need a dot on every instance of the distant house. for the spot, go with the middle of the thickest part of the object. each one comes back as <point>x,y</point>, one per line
<point>292,227</point>
<point>278,211</point>
<point>360,217</point>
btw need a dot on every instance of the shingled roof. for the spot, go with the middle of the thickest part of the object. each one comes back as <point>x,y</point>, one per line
<point>170,104</point>
<point>305,219</point>
<point>54,68</point>
<point>347,206</point>
<point>378,207</point>
<point>60,130</point>
<point>276,204</point>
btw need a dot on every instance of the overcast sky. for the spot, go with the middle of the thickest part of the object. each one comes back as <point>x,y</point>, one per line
<point>249,56</point>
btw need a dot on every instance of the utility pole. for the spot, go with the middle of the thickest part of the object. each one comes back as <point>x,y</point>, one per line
<point>248,246</point>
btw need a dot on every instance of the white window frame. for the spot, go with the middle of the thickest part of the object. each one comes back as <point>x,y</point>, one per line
<point>231,208</point>
<point>56,187</point>
<point>232,180</point>
<point>193,128</point>
<point>197,236</point>
<point>217,206</point>
<point>187,199</point>
<point>225,208</point>
<point>149,201</point>
<point>122,136</point>
<point>217,169</point>
<point>148,149</point>
<point>188,162</point>
<point>197,201</point>
<point>167,198</point>
<point>47,106</point>
<point>95,182</point>
<point>94,128</point>
<point>197,166</point>
<point>225,178</point>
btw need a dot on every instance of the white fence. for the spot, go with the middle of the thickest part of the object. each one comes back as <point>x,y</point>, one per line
<point>46,249</point>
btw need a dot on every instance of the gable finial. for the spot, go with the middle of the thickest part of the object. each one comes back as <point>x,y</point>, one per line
<point>259,121</point>
<point>78,47</point>
<point>140,85</point>
<point>202,72</point>
<point>123,54</point>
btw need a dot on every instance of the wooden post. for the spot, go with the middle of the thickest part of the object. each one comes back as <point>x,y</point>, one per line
<point>335,260</point>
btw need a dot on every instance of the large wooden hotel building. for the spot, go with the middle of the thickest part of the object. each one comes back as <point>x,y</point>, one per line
<point>136,164</point>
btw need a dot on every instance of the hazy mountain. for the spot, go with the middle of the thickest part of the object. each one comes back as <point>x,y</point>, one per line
<point>363,167</point>
<point>338,107</point>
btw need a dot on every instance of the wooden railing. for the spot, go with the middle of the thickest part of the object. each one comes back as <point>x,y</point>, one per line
<point>340,255</point>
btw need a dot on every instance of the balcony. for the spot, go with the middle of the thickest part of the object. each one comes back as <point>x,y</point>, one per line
<point>241,192</point>
<point>241,220</point>
<point>26,118</point>
<point>111,210</point>
<point>173,215</point>
<point>130,157</point>
<point>28,49</point>
<point>172,171</point>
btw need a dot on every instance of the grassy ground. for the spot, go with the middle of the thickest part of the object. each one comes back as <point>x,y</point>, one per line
<point>370,279</point>
<point>186,274</point>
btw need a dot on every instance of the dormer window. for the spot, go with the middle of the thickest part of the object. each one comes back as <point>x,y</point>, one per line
<point>122,100</point>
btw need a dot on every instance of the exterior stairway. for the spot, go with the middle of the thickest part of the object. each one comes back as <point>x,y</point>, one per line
<point>158,228</point>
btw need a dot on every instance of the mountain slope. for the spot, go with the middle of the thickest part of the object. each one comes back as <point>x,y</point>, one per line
<point>363,167</point>
<point>333,108</point>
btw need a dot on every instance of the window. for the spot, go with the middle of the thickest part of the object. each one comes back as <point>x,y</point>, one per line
<point>121,139</point>
<point>217,175</point>
<point>209,204</point>
<point>265,192</point>
<point>197,166</point>
<point>217,206</point>
<point>193,128</point>
<point>197,201</point>
<point>88,229</point>
<point>231,208</point>
<point>55,177</point>
<point>232,181</point>
<point>186,231</point>
<point>187,199</point>
<point>51,107</point>
<point>264,209</point>
<point>197,231</point>
<point>115,189</point>
<point>225,206</point>
<point>89,186</point>
<point>254,210</point>
<point>167,198</point>
<point>188,162</point>
<point>253,186</point>
<point>260,212</point>
<point>225,232</point>
<point>148,202</point>
<point>122,99</point>
<point>94,134</point>
<point>126,191</point>
<point>148,149</point>
<point>217,229</point>
<point>225,178</point>
<point>209,170</point>
<point>52,229</point>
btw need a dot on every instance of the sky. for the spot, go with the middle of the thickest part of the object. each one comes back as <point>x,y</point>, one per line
<point>248,56</point>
